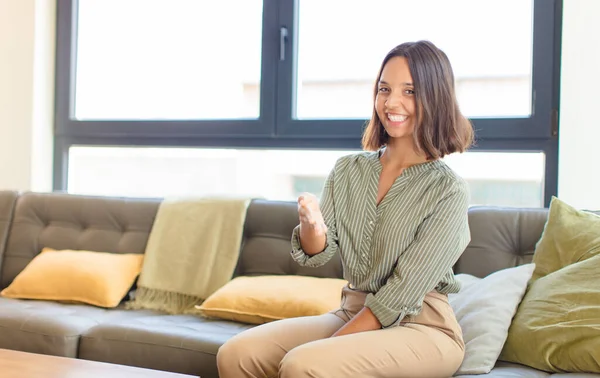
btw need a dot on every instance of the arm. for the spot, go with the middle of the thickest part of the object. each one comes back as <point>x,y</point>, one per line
<point>310,247</point>
<point>365,320</point>
<point>439,242</point>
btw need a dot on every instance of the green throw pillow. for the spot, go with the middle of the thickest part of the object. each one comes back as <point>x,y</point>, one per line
<point>570,235</point>
<point>557,325</point>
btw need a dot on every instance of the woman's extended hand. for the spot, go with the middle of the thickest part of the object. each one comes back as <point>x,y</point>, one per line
<point>310,214</point>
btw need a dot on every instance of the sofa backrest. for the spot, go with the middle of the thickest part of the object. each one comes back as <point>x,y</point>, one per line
<point>7,206</point>
<point>64,221</point>
<point>267,243</point>
<point>500,237</point>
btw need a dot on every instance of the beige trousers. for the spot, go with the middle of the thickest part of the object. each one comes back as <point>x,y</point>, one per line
<point>428,345</point>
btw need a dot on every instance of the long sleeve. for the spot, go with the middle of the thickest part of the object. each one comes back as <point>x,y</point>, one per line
<point>440,240</point>
<point>328,210</point>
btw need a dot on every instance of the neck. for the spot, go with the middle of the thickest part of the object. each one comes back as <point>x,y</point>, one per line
<point>401,154</point>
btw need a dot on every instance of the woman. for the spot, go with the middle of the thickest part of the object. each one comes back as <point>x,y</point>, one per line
<point>397,215</point>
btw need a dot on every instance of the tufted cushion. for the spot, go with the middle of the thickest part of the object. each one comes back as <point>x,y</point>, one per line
<point>63,221</point>
<point>500,238</point>
<point>267,243</point>
<point>7,206</point>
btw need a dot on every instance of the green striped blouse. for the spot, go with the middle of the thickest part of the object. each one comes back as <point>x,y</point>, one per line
<point>401,249</point>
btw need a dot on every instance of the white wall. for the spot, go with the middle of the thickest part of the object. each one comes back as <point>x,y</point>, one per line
<point>26,93</point>
<point>579,140</point>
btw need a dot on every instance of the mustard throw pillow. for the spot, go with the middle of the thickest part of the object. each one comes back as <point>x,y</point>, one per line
<point>556,327</point>
<point>97,278</point>
<point>262,299</point>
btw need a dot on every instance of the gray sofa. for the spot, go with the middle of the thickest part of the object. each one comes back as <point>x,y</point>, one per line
<point>501,237</point>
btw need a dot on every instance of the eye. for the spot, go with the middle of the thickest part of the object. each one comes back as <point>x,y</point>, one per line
<point>383,90</point>
<point>410,91</point>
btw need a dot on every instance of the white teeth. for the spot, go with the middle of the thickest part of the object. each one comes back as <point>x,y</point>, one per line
<point>396,118</point>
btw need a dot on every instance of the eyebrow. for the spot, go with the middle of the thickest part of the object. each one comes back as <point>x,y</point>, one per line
<point>386,83</point>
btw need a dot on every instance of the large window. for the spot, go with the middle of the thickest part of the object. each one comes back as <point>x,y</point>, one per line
<point>203,83</point>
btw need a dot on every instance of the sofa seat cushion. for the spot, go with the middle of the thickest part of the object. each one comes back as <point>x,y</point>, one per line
<point>53,328</point>
<point>179,343</point>
<point>510,370</point>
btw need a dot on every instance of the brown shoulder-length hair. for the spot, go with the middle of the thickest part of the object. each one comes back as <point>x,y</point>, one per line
<point>440,127</point>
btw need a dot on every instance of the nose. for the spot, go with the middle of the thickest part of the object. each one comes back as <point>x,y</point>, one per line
<point>394,101</point>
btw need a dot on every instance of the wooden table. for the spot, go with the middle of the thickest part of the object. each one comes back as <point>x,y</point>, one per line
<point>14,364</point>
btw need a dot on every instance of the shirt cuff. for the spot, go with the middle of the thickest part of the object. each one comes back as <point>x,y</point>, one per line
<point>303,259</point>
<point>387,316</point>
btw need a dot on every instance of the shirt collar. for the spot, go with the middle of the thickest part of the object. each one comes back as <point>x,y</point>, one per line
<point>410,171</point>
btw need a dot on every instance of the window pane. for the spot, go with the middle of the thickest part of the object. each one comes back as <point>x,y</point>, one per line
<point>168,59</point>
<point>508,179</point>
<point>160,172</point>
<point>502,178</point>
<point>342,44</point>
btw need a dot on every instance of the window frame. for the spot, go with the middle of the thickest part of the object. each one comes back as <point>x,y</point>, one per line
<point>537,125</point>
<point>275,127</point>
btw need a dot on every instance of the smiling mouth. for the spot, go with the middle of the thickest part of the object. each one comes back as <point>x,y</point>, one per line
<point>397,117</point>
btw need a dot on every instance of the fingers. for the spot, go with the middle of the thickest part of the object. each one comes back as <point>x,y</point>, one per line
<point>310,214</point>
<point>307,198</point>
<point>309,211</point>
<point>307,205</point>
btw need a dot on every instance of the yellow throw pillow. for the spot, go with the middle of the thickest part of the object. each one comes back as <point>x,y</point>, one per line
<point>262,299</point>
<point>97,278</point>
<point>556,325</point>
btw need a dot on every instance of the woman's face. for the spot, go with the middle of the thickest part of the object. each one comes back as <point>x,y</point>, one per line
<point>395,100</point>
